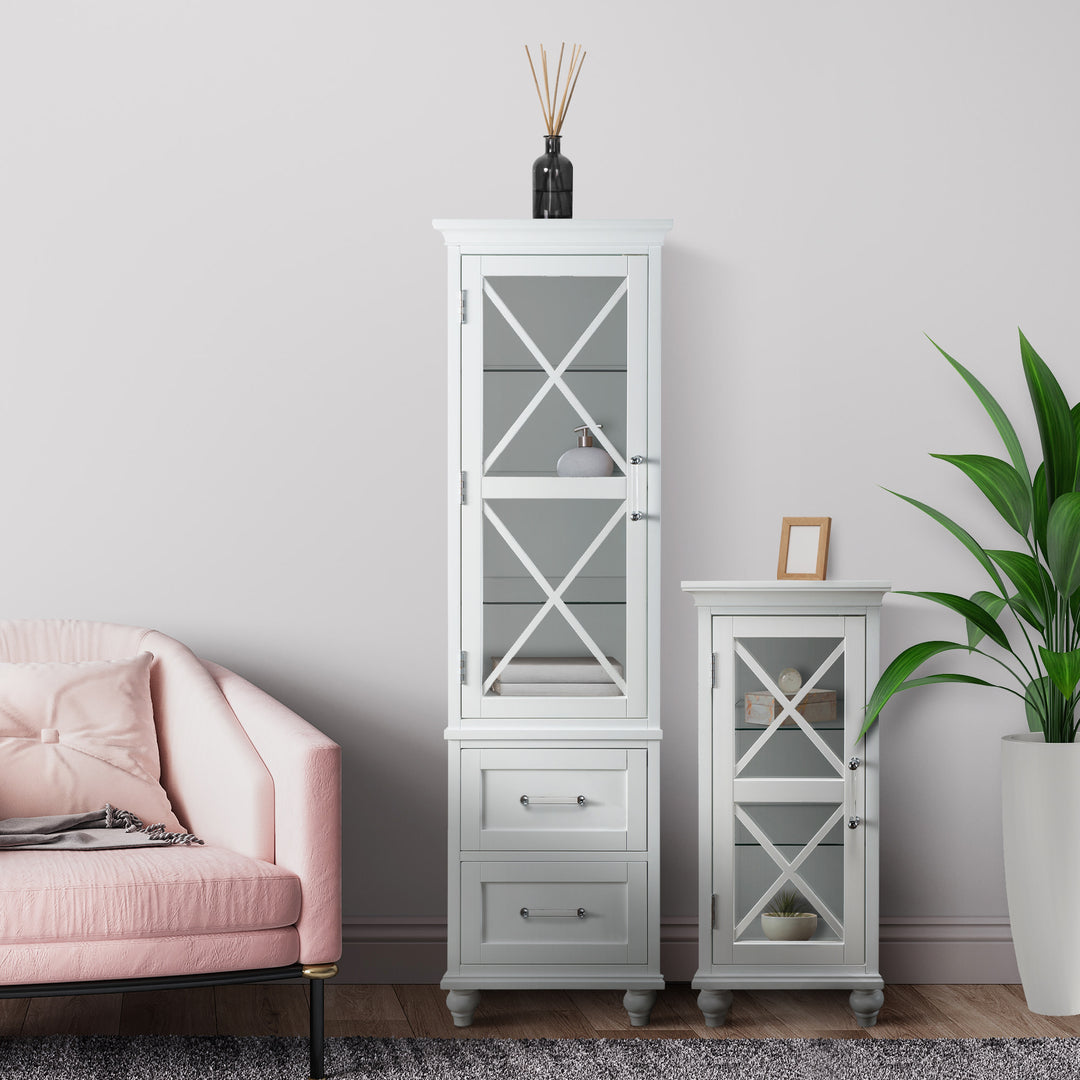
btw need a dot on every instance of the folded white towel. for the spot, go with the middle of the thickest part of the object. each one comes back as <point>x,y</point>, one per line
<point>555,669</point>
<point>549,689</point>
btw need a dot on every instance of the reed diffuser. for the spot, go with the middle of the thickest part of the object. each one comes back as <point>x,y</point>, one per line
<point>553,174</point>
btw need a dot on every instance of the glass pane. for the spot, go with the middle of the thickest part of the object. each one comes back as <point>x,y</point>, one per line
<point>554,312</point>
<point>788,751</point>
<point>820,888</point>
<point>549,430</point>
<point>524,436</point>
<point>555,659</point>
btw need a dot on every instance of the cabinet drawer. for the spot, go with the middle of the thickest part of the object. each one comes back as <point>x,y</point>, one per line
<point>553,800</point>
<point>554,913</point>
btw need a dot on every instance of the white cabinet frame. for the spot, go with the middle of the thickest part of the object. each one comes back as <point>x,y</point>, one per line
<point>600,856</point>
<point>732,952</point>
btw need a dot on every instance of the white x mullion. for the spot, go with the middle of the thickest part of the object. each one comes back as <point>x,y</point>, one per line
<point>554,375</point>
<point>563,586</point>
<point>789,707</point>
<point>789,870</point>
<point>554,597</point>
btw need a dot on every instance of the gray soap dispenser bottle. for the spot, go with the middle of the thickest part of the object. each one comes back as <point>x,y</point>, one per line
<point>585,459</point>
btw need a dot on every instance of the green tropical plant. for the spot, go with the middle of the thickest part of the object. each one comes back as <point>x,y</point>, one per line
<point>787,903</point>
<point>1037,588</point>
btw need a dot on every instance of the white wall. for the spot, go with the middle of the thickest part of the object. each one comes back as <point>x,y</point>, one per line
<point>222,404</point>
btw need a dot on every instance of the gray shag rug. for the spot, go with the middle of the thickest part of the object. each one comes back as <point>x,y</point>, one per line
<point>95,1057</point>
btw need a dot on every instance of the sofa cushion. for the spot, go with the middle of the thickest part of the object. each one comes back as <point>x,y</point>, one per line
<point>74,736</point>
<point>133,958</point>
<point>135,893</point>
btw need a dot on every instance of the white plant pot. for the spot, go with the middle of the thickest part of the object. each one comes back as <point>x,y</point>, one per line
<point>789,927</point>
<point>1040,807</point>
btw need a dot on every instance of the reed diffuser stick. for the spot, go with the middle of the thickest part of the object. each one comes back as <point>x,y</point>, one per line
<point>558,72</point>
<point>553,105</point>
<point>547,91</point>
<point>536,82</point>
<point>570,96</point>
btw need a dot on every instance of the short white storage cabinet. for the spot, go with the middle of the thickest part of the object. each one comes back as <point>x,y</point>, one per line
<point>554,480</point>
<point>788,793</point>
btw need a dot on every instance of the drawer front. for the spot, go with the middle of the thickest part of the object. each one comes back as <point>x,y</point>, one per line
<point>553,800</point>
<point>554,913</point>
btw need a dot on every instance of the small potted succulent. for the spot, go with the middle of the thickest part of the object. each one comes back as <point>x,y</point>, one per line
<point>787,918</point>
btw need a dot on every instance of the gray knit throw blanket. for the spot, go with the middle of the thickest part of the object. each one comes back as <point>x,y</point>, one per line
<point>97,830</point>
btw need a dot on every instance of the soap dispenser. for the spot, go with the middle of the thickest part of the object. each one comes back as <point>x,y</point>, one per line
<point>585,459</point>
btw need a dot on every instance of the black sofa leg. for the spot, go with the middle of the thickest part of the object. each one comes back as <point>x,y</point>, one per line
<point>318,974</point>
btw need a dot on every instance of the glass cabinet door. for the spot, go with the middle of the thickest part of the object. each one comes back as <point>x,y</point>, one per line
<point>554,350</point>
<point>788,705</point>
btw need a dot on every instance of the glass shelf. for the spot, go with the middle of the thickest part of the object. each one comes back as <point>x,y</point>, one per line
<point>789,843</point>
<point>793,728</point>
<point>497,369</point>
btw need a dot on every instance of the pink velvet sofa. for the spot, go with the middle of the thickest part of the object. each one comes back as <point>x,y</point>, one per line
<point>259,901</point>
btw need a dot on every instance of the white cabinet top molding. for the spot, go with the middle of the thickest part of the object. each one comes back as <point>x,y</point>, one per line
<point>623,237</point>
<point>787,595</point>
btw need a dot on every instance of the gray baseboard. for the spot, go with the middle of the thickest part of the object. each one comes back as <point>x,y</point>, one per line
<point>948,950</point>
<point>921,950</point>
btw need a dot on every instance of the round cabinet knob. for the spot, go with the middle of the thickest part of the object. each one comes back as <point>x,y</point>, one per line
<point>854,822</point>
<point>854,763</point>
<point>789,680</point>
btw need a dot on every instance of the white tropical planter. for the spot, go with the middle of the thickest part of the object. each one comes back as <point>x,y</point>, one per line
<point>1040,806</point>
<point>799,927</point>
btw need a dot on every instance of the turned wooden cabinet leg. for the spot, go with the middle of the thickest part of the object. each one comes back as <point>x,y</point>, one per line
<point>638,1005</point>
<point>866,1004</point>
<point>462,1005</point>
<point>714,1006</point>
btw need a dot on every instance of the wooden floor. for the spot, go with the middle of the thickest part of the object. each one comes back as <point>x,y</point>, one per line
<point>910,1012</point>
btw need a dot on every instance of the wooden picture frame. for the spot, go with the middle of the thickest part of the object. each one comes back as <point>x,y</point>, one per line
<point>804,549</point>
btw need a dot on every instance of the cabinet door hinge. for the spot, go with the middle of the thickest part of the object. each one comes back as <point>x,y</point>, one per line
<point>715,666</point>
<point>463,654</point>
<point>461,307</point>
<point>462,489</point>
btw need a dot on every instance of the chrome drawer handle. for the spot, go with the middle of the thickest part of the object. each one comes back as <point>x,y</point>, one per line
<point>552,800</point>
<point>553,913</point>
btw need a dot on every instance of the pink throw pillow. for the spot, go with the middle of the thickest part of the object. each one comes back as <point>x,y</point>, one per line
<point>76,736</point>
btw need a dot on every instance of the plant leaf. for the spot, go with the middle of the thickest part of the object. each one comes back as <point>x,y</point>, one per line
<point>1076,432</point>
<point>1063,543</point>
<point>1036,696</point>
<point>1026,613</point>
<point>1031,580</point>
<point>996,412</point>
<point>894,676</point>
<point>1007,490</point>
<point>928,680</point>
<point>960,533</point>
<point>969,609</point>
<point>1063,668</point>
<point>1040,507</point>
<point>1055,422</point>
<point>992,605</point>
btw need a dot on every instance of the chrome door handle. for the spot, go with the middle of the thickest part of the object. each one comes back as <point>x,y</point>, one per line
<point>552,800</point>
<point>636,513</point>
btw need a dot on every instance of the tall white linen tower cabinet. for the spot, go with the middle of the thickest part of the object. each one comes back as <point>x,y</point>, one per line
<point>554,687</point>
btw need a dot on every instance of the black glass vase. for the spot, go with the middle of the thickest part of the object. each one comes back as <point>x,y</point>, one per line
<point>553,182</point>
